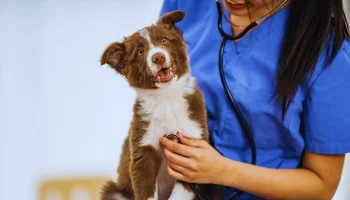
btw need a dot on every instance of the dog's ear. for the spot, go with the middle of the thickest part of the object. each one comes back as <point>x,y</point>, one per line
<point>172,17</point>
<point>114,56</point>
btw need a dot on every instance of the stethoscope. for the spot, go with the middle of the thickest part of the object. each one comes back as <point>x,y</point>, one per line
<point>244,123</point>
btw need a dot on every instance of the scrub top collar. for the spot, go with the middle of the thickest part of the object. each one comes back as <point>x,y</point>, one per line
<point>261,32</point>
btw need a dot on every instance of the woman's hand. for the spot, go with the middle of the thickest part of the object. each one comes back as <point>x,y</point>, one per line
<point>193,161</point>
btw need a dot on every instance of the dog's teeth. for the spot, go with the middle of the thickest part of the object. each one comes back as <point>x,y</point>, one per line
<point>171,69</point>
<point>158,78</point>
<point>170,73</point>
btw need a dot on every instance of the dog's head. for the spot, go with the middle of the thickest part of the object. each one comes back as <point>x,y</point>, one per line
<point>153,57</point>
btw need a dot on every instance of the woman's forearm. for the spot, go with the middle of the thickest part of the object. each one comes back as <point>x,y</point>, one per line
<point>274,183</point>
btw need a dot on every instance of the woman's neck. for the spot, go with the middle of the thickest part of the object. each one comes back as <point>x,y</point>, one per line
<point>242,22</point>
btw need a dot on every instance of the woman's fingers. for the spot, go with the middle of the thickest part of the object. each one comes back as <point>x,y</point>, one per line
<point>178,168</point>
<point>177,148</point>
<point>190,142</point>
<point>176,158</point>
<point>181,171</point>
<point>175,174</point>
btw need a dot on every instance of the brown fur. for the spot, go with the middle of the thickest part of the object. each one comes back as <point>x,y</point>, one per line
<point>124,57</point>
<point>196,107</point>
<point>139,165</point>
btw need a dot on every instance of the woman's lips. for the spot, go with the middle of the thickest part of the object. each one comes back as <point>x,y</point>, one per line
<point>236,6</point>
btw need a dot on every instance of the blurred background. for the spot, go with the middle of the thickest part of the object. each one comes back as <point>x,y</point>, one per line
<point>62,116</point>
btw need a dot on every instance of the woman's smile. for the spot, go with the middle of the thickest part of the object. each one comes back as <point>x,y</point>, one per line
<point>235,5</point>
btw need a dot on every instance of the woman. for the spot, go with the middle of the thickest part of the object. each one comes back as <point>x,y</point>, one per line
<point>290,77</point>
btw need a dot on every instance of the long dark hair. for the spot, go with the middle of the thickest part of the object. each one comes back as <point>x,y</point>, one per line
<point>312,26</point>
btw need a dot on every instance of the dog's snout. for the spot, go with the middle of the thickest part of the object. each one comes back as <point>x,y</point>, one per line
<point>158,58</point>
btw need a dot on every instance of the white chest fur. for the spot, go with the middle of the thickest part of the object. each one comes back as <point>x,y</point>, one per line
<point>166,110</point>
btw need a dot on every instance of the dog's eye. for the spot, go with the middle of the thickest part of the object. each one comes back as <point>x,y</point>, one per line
<point>164,41</point>
<point>140,52</point>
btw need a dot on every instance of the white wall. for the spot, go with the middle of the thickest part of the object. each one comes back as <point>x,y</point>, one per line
<point>60,112</point>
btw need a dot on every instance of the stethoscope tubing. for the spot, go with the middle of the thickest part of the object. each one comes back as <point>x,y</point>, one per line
<point>246,128</point>
<point>241,118</point>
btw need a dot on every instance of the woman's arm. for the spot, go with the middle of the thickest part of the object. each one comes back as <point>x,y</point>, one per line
<point>318,178</point>
<point>197,162</point>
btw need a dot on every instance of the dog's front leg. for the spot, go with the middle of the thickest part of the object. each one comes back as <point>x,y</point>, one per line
<point>182,191</point>
<point>144,169</point>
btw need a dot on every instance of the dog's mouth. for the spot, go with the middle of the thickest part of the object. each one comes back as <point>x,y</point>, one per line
<point>165,74</point>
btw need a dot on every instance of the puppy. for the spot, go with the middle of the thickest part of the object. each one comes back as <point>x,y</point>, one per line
<point>155,63</point>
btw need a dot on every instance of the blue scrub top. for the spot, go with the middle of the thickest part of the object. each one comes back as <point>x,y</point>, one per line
<point>321,103</point>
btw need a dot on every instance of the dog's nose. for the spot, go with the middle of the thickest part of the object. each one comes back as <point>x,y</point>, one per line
<point>158,58</point>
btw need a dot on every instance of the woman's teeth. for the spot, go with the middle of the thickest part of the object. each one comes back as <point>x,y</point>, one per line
<point>230,1</point>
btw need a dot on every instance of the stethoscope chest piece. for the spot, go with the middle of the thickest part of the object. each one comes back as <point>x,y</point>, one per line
<point>173,137</point>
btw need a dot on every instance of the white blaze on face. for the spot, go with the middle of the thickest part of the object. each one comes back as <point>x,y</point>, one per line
<point>153,50</point>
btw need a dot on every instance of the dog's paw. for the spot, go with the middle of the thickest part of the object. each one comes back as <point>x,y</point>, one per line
<point>180,192</point>
<point>110,191</point>
<point>118,196</point>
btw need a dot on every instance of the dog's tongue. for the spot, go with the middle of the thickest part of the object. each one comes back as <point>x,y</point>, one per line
<point>163,73</point>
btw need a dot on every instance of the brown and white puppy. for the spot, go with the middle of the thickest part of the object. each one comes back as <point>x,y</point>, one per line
<point>155,62</point>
